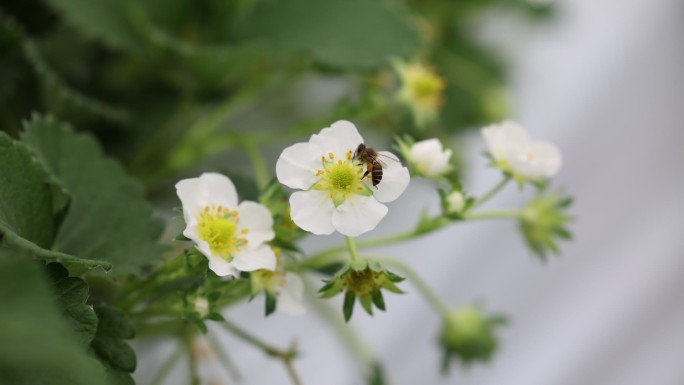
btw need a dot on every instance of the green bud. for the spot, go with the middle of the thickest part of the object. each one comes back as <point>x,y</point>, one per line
<point>363,280</point>
<point>468,335</point>
<point>543,221</point>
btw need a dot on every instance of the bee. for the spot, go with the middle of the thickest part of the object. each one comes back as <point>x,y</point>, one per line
<point>369,156</point>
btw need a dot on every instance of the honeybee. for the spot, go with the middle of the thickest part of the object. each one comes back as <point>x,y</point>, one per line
<point>369,156</point>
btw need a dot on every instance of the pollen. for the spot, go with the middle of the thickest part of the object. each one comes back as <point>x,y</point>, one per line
<point>349,155</point>
<point>218,228</point>
<point>331,155</point>
<point>244,231</point>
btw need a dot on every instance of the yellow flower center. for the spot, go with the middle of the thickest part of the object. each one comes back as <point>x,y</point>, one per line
<point>341,177</point>
<point>218,227</point>
<point>426,88</point>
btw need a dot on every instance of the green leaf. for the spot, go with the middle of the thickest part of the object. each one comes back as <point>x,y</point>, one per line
<point>109,343</point>
<point>108,219</point>
<point>72,294</point>
<point>113,323</point>
<point>36,345</point>
<point>348,34</point>
<point>26,198</point>
<point>115,352</point>
<point>111,21</point>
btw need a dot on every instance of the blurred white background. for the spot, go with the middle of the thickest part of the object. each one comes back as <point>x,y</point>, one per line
<point>605,81</point>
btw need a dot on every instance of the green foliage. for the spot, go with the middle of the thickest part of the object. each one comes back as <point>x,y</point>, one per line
<point>36,344</point>
<point>109,345</point>
<point>343,34</point>
<point>108,20</point>
<point>108,219</point>
<point>72,293</point>
<point>26,196</point>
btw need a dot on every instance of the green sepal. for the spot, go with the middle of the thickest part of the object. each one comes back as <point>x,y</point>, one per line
<point>201,326</point>
<point>378,299</point>
<point>181,237</point>
<point>377,375</point>
<point>214,316</point>
<point>375,266</point>
<point>393,277</point>
<point>359,265</point>
<point>270,303</point>
<point>367,303</point>
<point>348,306</point>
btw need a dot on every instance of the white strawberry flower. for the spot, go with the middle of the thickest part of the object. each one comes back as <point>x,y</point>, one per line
<point>429,157</point>
<point>231,235</point>
<point>336,196</point>
<point>515,153</point>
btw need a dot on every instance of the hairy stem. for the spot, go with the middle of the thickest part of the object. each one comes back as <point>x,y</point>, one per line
<point>286,356</point>
<point>428,294</point>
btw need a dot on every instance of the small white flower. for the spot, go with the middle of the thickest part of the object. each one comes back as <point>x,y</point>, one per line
<point>514,152</point>
<point>231,236</point>
<point>455,202</point>
<point>337,196</point>
<point>429,157</point>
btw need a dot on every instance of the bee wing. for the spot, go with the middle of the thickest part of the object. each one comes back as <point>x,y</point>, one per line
<point>385,157</point>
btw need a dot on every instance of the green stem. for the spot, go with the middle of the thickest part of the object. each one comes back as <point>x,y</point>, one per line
<point>193,369</point>
<point>356,345</point>
<point>167,367</point>
<point>494,214</point>
<point>225,359</point>
<point>491,193</point>
<point>352,249</point>
<point>261,171</point>
<point>285,356</point>
<point>428,294</point>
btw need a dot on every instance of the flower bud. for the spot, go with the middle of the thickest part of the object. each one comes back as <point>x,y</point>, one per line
<point>543,221</point>
<point>455,202</point>
<point>468,335</point>
<point>202,306</point>
<point>429,158</point>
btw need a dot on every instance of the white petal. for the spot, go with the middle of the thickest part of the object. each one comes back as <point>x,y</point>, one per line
<point>505,140</point>
<point>430,157</point>
<point>188,191</point>
<point>217,189</point>
<point>539,160</point>
<point>312,211</point>
<point>395,178</point>
<point>340,137</point>
<point>290,296</point>
<point>222,267</point>
<point>258,222</point>
<point>297,165</point>
<point>357,215</point>
<point>261,257</point>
